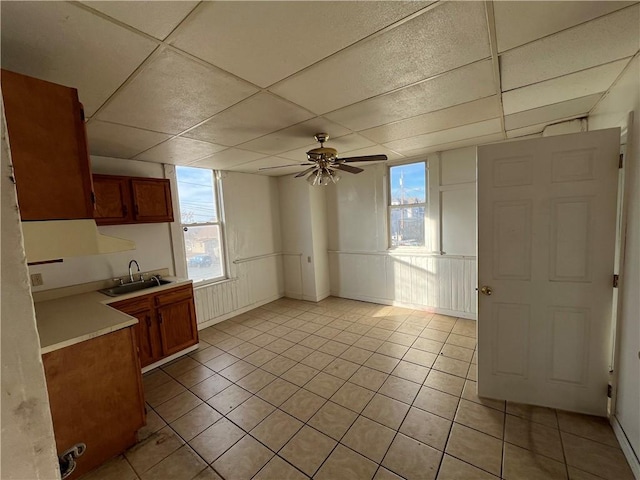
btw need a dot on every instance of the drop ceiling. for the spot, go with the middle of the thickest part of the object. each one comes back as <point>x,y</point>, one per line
<point>244,85</point>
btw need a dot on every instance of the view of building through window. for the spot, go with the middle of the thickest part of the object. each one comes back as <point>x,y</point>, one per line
<point>200,221</point>
<point>408,199</point>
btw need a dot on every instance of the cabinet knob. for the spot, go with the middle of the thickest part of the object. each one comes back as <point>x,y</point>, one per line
<point>159,317</point>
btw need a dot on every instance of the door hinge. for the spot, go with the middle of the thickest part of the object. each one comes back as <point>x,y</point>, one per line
<point>620,162</point>
<point>609,391</point>
<point>616,279</point>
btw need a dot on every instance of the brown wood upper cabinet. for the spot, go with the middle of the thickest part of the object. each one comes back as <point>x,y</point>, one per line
<point>121,200</point>
<point>47,137</point>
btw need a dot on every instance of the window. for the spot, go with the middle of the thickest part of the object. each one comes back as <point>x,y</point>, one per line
<point>201,223</point>
<point>407,204</point>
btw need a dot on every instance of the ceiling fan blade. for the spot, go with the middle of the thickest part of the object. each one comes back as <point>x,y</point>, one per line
<point>291,165</point>
<point>366,158</point>
<point>347,168</point>
<point>302,174</point>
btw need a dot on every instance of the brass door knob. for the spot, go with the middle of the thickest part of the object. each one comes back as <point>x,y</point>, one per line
<point>486,290</point>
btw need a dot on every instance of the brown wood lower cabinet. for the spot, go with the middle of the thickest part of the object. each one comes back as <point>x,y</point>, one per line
<point>166,322</point>
<point>95,394</point>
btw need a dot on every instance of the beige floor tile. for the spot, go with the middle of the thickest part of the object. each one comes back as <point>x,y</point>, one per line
<point>369,343</point>
<point>160,394</point>
<point>318,360</point>
<point>195,421</point>
<point>476,448</point>
<point>428,345</point>
<point>445,382</point>
<point>308,449</point>
<point>400,338</point>
<point>347,338</point>
<point>382,362</point>
<point>278,346</point>
<point>341,368</point>
<point>369,438</point>
<point>183,464</point>
<point>356,355</point>
<point>250,413</point>
<point>211,386</point>
<point>237,371</point>
<point>479,417</point>
<point>465,327</point>
<point>577,474</point>
<point>303,404</point>
<point>456,352</point>
<point>278,391</point>
<point>313,342</point>
<point>596,458</point>
<point>260,357</point>
<point>276,430</point>
<point>387,411</point>
<point>369,378</point>
<point>353,397</point>
<point>413,326</point>
<point>256,380</point>
<point>194,376</point>
<point>176,407</point>
<point>433,334</point>
<point>470,392</point>
<point>295,336</point>
<point>243,460</point>
<point>333,420</point>
<point>180,366</point>
<point>244,349</point>
<point>154,423</point>
<point>379,333</point>
<point>333,348</point>
<point>454,469</point>
<point>221,362</point>
<point>534,436</point>
<point>358,329</point>
<point>520,463</point>
<point>384,474</point>
<point>228,399</point>
<point>208,474</point>
<point>115,469</point>
<point>461,341</point>
<point>263,339</point>
<point>324,385</point>
<point>347,464</point>
<point>392,349</point>
<point>229,344</point>
<point>588,426</point>
<point>427,428</point>
<point>328,332</point>
<point>278,365</point>
<point>297,352</point>
<point>154,379</point>
<point>426,359</point>
<point>472,374</point>
<point>299,374</point>
<point>400,389</point>
<point>546,416</point>
<point>411,371</point>
<point>280,470</point>
<point>412,459</point>
<point>153,450</point>
<point>451,366</point>
<point>216,439</point>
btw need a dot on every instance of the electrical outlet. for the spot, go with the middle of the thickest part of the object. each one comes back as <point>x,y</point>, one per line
<point>36,279</point>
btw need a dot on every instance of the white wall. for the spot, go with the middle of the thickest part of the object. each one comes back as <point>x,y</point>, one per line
<point>361,265</point>
<point>28,444</point>
<point>153,240</point>
<point>613,111</point>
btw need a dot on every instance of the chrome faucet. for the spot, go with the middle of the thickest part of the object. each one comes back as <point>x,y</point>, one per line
<point>130,271</point>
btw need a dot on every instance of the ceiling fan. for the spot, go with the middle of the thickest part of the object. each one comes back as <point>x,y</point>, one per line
<point>323,163</point>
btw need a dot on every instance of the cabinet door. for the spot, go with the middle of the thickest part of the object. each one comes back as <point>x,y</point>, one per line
<point>147,331</point>
<point>152,200</point>
<point>178,329</point>
<point>113,200</point>
<point>48,143</point>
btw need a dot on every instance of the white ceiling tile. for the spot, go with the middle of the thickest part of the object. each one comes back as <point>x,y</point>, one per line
<point>479,129</point>
<point>179,151</point>
<point>342,144</point>
<point>467,142</point>
<point>268,163</point>
<point>280,38</point>
<point>525,131</point>
<point>458,86</point>
<point>65,44</point>
<point>119,141</point>
<point>449,36</point>
<point>375,150</point>
<point>575,85</point>
<point>518,23</point>
<point>294,137</point>
<point>550,113</point>
<point>227,159</point>
<point>157,19</point>
<point>257,116</point>
<point>604,40</point>
<point>471,112</point>
<point>173,93</point>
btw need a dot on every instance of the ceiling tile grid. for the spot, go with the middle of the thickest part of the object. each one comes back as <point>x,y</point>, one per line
<point>245,85</point>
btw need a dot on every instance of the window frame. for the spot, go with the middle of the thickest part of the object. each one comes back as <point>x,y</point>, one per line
<point>180,257</point>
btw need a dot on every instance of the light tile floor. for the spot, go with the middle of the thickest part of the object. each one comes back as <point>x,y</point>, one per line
<point>349,390</point>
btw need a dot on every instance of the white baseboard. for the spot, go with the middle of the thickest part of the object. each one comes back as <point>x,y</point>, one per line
<point>226,316</point>
<point>170,358</point>
<point>627,449</point>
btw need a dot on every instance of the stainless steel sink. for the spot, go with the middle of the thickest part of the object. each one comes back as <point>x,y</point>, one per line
<point>133,287</point>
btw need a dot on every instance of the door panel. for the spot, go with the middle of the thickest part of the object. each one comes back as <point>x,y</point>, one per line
<point>152,200</point>
<point>113,200</point>
<point>546,233</point>
<point>178,329</point>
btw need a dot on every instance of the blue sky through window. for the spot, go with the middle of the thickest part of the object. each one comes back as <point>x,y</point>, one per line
<point>196,194</point>
<point>408,184</point>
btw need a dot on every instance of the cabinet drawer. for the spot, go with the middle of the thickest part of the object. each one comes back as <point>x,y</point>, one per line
<point>134,305</point>
<point>175,295</point>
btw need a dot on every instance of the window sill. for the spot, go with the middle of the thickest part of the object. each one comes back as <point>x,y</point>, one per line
<point>209,283</point>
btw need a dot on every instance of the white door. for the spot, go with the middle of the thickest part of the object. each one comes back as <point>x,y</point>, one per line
<point>546,236</point>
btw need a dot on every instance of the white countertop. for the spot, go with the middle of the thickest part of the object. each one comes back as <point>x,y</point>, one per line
<point>73,319</point>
